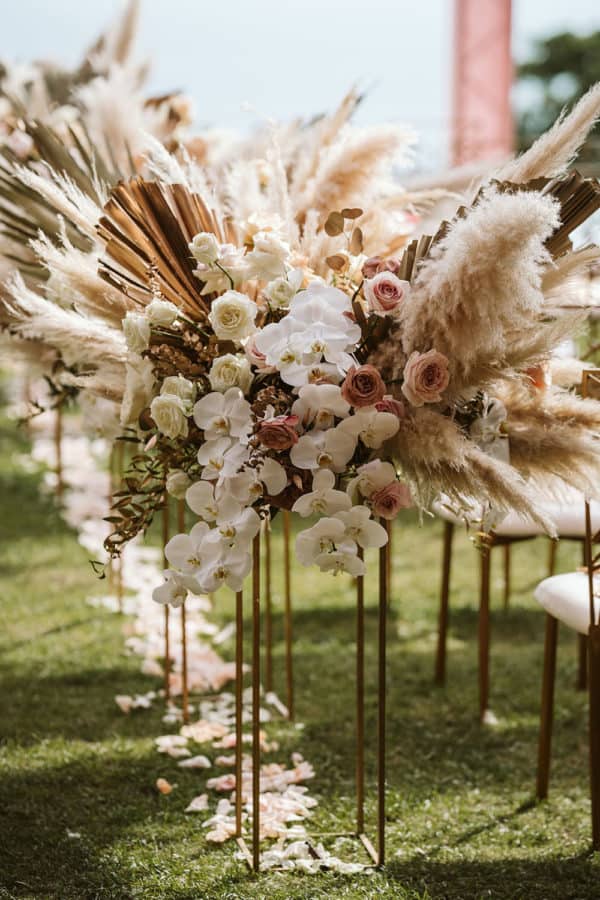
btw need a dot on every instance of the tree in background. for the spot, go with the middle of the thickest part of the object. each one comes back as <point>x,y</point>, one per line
<point>561,69</point>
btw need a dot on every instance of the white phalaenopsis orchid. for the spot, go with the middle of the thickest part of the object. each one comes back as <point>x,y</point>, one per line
<point>324,450</point>
<point>360,527</point>
<point>236,526</point>
<point>371,426</point>
<point>324,499</point>
<point>319,405</point>
<point>326,536</point>
<point>371,477</point>
<point>317,327</point>
<point>223,415</point>
<point>186,552</point>
<point>251,484</point>
<point>221,459</point>
<point>229,568</point>
<point>341,561</point>
<point>200,497</point>
<point>175,589</point>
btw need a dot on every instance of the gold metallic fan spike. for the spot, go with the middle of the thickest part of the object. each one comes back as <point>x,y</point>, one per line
<point>579,198</point>
<point>147,227</point>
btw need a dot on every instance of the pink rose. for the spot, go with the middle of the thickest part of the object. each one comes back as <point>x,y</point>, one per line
<point>389,500</point>
<point>363,386</point>
<point>391,405</point>
<point>376,264</point>
<point>426,376</point>
<point>385,292</point>
<point>278,433</point>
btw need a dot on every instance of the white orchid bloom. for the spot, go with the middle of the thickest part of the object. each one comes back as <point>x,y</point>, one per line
<point>320,405</point>
<point>373,428</point>
<point>280,291</point>
<point>230,569</point>
<point>315,328</point>
<point>323,500</point>
<point>185,552</point>
<point>223,415</point>
<point>371,477</point>
<point>326,536</point>
<point>222,459</point>
<point>250,485</point>
<point>341,561</point>
<point>175,589</point>
<point>236,526</point>
<point>330,449</point>
<point>360,527</point>
<point>200,497</point>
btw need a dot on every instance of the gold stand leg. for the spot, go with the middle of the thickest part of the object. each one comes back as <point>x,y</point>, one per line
<point>594,706</point>
<point>506,576</point>
<point>552,548</point>
<point>440,657</point>
<point>256,704</point>
<point>388,571</point>
<point>185,689</point>
<point>268,611</point>
<point>381,698</point>
<point>58,436</point>
<point>360,701</point>
<point>582,661</point>
<point>289,673</point>
<point>484,632</point>
<point>167,643</point>
<point>120,466</point>
<point>239,689</point>
<point>547,710</point>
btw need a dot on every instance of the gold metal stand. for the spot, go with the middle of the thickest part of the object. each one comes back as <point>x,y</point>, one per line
<point>268,611</point>
<point>167,643</point>
<point>376,853</point>
<point>58,436</point>
<point>289,671</point>
<point>185,694</point>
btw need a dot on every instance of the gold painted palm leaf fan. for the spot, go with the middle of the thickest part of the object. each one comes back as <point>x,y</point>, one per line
<point>146,228</point>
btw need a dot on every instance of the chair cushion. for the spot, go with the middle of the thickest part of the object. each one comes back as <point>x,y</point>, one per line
<point>566,597</point>
<point>569,519</point>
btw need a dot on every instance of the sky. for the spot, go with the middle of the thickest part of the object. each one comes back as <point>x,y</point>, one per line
<point>243,60</point>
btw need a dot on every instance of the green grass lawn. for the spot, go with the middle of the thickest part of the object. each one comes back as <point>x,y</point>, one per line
<point>79,814</point>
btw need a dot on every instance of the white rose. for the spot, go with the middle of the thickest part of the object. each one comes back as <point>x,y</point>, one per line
<point>271,243</point>
<point>230,371</point>
<point>169,414</point>
<point>179,387</point>
<point>177,483</point>
<point>137,332</point>
<point>161,312</point>
<point>139,389</point>
<point>232,316</point>
<point>205,248</point>
<point>281,290</point>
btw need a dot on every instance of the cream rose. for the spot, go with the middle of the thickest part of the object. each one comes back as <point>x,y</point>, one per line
<point>232,316</point>
<point>177,483</point>
<point>281,290</point>
<point>161,312</point>
<point>230,371</point>
<point>139,389</point>
<point>426,377</point>
<point>169,414</point>
<point>180,387</point>
<point>205,248</point>
<point>136,329</point>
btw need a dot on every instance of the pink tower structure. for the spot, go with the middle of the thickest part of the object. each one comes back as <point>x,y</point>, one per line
<point>482,124</point>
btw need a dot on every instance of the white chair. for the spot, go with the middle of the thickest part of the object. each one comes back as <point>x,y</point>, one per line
<point>570,599</point>
<point>570,522</point>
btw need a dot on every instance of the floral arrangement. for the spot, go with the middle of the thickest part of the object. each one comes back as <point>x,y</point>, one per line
<point>266,352</point>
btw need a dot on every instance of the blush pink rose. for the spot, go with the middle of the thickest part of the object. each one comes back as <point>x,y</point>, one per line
<point>363,386</point>
<point>254,356</point>
<point>389,500</point>
<point>391,405</point>
<point>278,433</point>
<point>385,292</point>
<point>426,377</point>
<point>376,264</point>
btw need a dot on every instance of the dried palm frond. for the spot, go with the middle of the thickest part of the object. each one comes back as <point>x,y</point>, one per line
<point>146,229</point>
